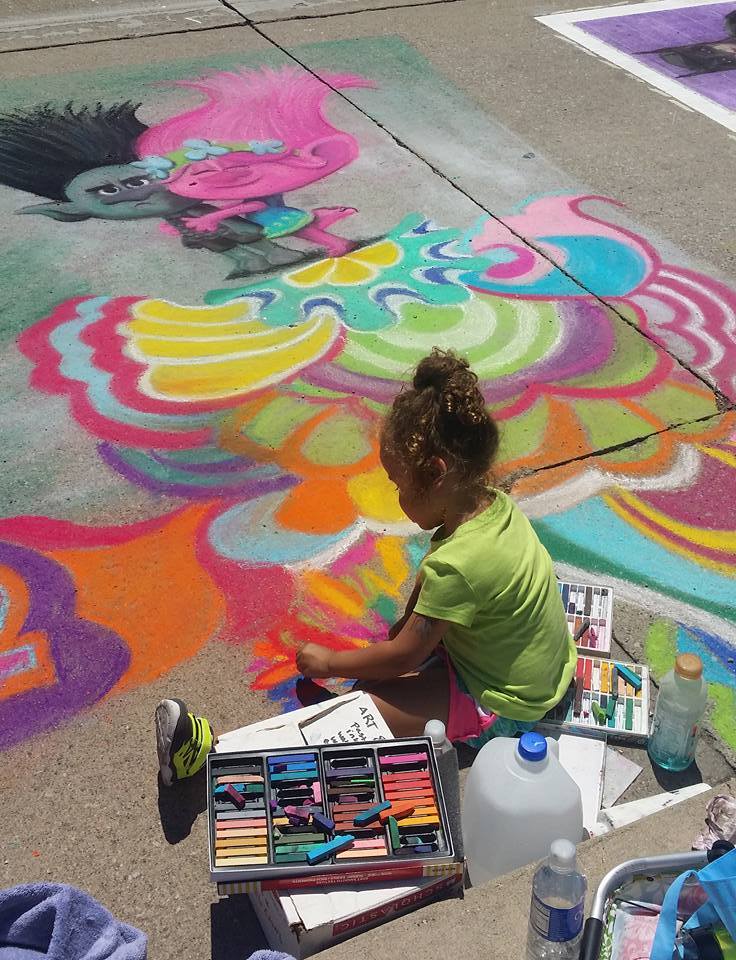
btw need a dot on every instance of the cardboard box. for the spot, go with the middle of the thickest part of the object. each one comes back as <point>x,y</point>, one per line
<point>305,923</point>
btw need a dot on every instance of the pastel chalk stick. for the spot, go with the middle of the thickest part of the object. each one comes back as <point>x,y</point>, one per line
<point>413,822</point>
<point>240,834</point>
<point>292,758</point>
<point>399,811</point>
<point>240,815</point>
<point>367,816</point>
<point>401,759</point>
<point>405,775</point>
<point>327,850</point>
<point>629,676</point>
<point>223,853</point>
<point>323,821</point>
<point>306,776</point>
<point>340,773</point>
<point>238,823</point>
<point>239,861</point>
<point>360,854</point>
<point>317,792</point>
<point>233,795</point>
<point>290,858</point>
<point>393,829</point>
<point>239,843</point>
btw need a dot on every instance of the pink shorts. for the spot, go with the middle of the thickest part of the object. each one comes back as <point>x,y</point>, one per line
<point>468,722</point>
<point>466,719</point>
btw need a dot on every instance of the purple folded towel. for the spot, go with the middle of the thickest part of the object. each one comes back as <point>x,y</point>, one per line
<point>53,921</point>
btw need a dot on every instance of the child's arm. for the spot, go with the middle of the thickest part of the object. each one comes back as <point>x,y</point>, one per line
<point>381,661</point>
<point>399,625</point>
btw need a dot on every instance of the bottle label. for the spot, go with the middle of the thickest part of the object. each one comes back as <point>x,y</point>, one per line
<point>554,923</point>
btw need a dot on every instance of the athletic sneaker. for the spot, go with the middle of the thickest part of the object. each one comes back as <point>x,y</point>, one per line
<point>183,741</point>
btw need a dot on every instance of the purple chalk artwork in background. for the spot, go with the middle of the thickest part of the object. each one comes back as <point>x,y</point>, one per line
<point>691,47</point>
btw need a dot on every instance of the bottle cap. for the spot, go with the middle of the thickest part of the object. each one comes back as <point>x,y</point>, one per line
<point>435,730</point>
<point>532,746</point>
<point>689,666</point>
<point>562,856</point>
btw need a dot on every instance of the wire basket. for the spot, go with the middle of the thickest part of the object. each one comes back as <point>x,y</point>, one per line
<point>634,882</point>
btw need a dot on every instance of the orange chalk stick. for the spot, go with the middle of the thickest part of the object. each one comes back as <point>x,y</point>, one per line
<point>399,811</point>
<point>399,795</point>
<point>420,821</point>
<point>406,775</point>
<point>240,834</point>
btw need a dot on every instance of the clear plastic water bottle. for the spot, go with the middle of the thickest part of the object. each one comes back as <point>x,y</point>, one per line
<point>558,906</point>
<point>435,730</point>
<point>681,702</point>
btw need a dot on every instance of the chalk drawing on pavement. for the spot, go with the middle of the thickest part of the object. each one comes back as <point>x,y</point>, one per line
<point>258,408</point>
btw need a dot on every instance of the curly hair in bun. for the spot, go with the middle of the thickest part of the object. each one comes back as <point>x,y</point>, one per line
<point>442,415</point>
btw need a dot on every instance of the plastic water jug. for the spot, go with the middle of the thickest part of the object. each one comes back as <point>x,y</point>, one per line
<point>518,800</point>
<point>681,702</point>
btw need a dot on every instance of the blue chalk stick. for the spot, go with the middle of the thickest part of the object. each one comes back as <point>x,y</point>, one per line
<point>326,850</point>
<point>629,676</point>
<point>367,816</point>
<point>293,758</point>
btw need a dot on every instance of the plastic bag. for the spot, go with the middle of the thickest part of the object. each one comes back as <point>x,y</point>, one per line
<point>718,880</point>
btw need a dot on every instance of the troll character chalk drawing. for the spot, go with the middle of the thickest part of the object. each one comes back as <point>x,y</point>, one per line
<point>215,174</point>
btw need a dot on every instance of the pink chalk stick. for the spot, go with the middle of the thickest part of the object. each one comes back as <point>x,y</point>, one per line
<point>317,793</point>
<point>403,758</point>
<point>370,844</point>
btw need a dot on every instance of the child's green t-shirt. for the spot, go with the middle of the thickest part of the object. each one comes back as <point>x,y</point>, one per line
<point>508,638</point>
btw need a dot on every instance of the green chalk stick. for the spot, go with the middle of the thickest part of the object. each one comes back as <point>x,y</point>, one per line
<point>393,829</point>
<point>611,708</point>
<point>629,713</point>
<point>291,858</point>
<point>600,716</point>
<point>297,847</point>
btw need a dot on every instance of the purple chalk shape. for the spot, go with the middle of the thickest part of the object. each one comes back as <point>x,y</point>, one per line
<point>323,821</point>
<point>235,796</point>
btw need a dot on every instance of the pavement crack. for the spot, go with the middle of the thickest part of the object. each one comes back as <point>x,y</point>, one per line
<point>721,400</point>
<point>126,37</point>
<point>349,13</point>
<point>510,479</point>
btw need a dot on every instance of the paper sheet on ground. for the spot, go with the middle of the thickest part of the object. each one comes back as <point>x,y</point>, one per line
<point>584,759</point>
<point>620,774</point>
<point>352,718</point>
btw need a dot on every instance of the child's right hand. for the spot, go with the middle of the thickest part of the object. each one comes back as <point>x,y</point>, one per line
<point>314,661</point>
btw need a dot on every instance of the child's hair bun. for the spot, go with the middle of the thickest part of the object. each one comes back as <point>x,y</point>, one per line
<point>453,383</point>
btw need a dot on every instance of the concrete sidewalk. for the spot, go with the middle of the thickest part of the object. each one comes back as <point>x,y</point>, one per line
<point>492,921</point>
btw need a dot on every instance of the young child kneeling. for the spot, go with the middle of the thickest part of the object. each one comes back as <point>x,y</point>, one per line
<point>483,644</point>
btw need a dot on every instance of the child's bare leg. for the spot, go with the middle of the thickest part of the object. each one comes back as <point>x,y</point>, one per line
<point>406,703</point>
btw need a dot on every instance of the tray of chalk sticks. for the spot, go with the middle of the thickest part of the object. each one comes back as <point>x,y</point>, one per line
<point>372,808</point>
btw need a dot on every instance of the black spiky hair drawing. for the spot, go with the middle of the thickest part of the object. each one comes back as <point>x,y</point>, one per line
<point>43,149</point>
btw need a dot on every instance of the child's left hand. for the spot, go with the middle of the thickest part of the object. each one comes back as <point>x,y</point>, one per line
<point>314,661</point>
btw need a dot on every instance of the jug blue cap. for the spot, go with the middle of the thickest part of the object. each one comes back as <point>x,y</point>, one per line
<point>532,746</point>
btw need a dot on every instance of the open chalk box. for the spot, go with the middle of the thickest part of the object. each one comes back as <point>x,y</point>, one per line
<point>322,815</point>
<point>602,701</point>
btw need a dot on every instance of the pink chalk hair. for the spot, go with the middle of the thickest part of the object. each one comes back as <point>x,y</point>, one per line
<point>263,104</point>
